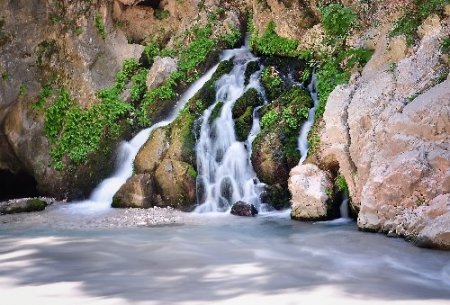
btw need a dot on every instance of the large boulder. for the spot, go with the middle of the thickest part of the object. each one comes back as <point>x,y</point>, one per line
<point>311,190</point>
<point>274,150</point>
<point>245,209</point>
<point>387,132</point>
<point>137,192</point>
<point>160,71</point>
<point>24,205</point>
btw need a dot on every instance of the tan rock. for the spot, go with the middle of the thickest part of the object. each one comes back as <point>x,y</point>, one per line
<point>310,188</point>
<point>137,192</point>
<point>153,151</point>
<point>389,133</point>
<point>176,184</point>
<point>160,71</point>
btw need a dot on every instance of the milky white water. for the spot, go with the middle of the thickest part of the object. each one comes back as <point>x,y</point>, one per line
<point>101,197</point>
<point>306,127</point>
<point>217,260</point>
<point>225,173</point>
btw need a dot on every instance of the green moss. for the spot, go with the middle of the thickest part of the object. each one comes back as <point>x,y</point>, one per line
<point>338,20</point>
<point>75,132</point>
<point>250,98</point>
<point>232,37</point>
<point>192,172</point>
<point>215,113</point>
<point>269,119</point>
<point>251,68</point>
<point>271,82</point>
<point>270,43</point>
<point>408,24</point>
<point>161,14</point>
<point>243,124</point>
<point>190,58</point>
<point>35,205</point>
<point>22,89</point>
<point>100,26</point>
<point>445,45</point>
<point>341,184</point>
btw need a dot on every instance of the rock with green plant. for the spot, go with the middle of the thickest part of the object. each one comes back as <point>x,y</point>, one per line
<point>243,113</point>
<point>274,150</point>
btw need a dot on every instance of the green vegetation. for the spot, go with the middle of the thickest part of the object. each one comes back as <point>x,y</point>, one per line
<point>215,113</point>
<point>272,82</point>
<point>5,76</point>
<point>341,184</point>
<point>233,37</point>
<point>269,119</point>
<point>414,16</point>
<point>190,58</point>
<point>100,26</point>
<point>270,43</point>
<point>338,20</point>
<point>22,89</point>
<point>35,205</point>
<point>161,14</point>
<point>445,45</point>
<point>74,132</point>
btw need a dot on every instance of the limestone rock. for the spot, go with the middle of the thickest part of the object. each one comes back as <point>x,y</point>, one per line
<point>245,209</point>
<point>176,184</point>
<point>24,205</point>
<point>387,132</point>
<point>160,71</point>
<point>137,192</point>
<point>310,188</point>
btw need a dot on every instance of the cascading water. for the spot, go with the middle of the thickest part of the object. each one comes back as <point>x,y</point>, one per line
<point>225,173</point>
<point>101,197</point>
<point>303,138</point>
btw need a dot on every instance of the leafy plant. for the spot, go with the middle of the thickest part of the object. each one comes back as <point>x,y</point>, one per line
<point>338,20</point>
<point>161,14</point>
<point>341,184</point>
<point>414,16</point>
<point>445,45</point>
<point>269,119</point>
<point>270,43</point>
<point>100,26</point>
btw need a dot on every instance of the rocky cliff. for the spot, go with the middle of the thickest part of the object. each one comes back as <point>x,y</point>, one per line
<point>387,133</point>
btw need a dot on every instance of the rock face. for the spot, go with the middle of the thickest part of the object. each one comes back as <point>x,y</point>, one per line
<point>166,162</point>
<point>160,71</point>
<point>311,192</point>
<point>38,48</point>
<point>241,208</point>
<point>24,205</point>
<point>388,133</point>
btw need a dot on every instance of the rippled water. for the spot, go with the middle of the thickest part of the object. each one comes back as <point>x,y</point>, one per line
<point>218,259</point>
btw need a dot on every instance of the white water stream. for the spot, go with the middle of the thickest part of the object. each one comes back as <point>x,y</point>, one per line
<point>304,131</point>
<point>101,197</point>
<point>225,173</point>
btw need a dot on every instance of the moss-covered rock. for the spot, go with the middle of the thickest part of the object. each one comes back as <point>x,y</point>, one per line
<point>243,113</point>
<point>275,150</point>
<point>166,164</point>
<point>23,205</point>
<point>251,68</point>
<point>215,113</point>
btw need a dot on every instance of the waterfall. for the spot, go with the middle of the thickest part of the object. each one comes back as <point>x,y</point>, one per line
<point>343,208</point>
<point>225,173</point>
<point>303,137</point>
<point>101,197</point>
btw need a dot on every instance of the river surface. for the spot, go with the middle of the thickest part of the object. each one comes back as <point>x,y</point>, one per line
<point>211,259</point>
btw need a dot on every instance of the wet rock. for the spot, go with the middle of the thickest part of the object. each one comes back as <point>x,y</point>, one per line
<point>311,190</point>
<point>160,71</point>
<point>24,205</point>
<point>137,192</point>
<point>388,133</point>
<point>241,208</point>
<point>175,181</point>
<point>274,150</point>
